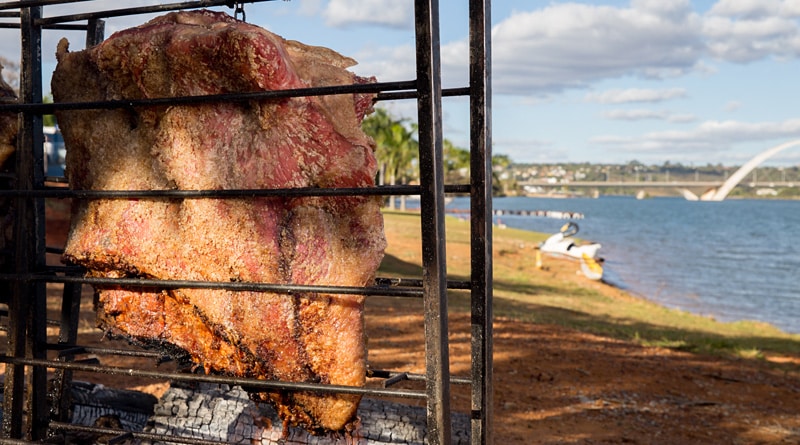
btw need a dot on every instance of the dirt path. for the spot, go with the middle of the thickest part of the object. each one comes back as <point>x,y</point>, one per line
<point>554,386</point>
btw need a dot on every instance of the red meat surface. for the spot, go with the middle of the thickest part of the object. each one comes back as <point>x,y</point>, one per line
<point>259,144</point>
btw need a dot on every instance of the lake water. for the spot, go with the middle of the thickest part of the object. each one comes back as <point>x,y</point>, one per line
<point>733,260</point>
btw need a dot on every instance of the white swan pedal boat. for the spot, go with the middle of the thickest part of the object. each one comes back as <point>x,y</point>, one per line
<point>563,243</point>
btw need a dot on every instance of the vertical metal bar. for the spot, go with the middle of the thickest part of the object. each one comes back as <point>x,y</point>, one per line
<point>432,220</point>
<point>60,400</point>
<point>95,32</point>
<point>14,382</point>
<point>481,211</point>
<point>27,325</point>
<point>71,297</point>
<point>31,232</point>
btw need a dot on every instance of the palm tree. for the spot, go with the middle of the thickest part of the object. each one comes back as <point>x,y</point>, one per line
<point>396,149</point>
<point>456,159</point>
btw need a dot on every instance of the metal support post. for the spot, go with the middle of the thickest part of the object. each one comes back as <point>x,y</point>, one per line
<point>432,221</point>
<point>481,211</point>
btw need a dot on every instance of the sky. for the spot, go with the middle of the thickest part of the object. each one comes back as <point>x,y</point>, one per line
<point>653,81</point>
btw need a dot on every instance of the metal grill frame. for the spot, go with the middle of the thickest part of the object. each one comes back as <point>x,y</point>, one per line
<point>26,415</point>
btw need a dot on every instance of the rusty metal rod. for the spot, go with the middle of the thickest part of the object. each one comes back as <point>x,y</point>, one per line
<point>364,88</point>
<point>143,283</point>
<point>159,438</point>
<point>141,10</point>
<point>251,384</point>
<point>381,190</point>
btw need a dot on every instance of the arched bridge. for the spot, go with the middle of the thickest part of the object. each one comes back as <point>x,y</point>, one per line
<point>716,190</point>
<point>722,192</point>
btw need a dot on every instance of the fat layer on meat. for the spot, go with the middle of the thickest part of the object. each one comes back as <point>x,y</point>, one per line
<point>258,144</point>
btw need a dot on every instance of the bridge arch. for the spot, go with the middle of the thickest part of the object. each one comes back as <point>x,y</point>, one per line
<point>736,178</point>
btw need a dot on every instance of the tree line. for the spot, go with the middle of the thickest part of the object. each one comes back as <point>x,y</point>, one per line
<point>397,153</point>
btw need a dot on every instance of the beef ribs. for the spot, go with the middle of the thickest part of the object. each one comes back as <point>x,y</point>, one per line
<point>260,144</point>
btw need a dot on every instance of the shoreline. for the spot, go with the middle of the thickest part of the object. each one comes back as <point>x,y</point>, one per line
<point>622,286</point>
<point>559,295</point>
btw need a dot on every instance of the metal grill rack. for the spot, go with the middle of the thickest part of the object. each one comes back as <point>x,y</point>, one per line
<point>27,417</point>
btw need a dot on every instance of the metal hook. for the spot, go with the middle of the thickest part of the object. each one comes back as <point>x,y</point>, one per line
<point>239,10</point>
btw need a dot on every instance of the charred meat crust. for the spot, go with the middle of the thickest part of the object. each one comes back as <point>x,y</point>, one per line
<point>298,142</point>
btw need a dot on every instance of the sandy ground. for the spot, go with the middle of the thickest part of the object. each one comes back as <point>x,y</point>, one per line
<point>558,386</point>
<point>554,386</point>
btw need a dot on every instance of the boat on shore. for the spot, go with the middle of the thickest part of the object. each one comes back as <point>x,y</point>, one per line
<point>592,268</point>
<point>563,243</point>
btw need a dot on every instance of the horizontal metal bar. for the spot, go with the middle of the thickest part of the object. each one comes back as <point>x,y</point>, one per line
<point>65,350</point>
<point>384,374</point>
<point>33,3</point>
<point>240,286</point>
<point>380,190</point>
<point>159,438</point>
<point>446,92</point>
<point>67,27</point>
<point>250,384</point>
<point>415,282</point>
<point>61,192</point>
<point>61,27</point>
<point>124,437</point>
<point>397,378</point>
<point>380,282</point>
<point>141,10</point>
<point>363,88</point>
<point>55,250</point>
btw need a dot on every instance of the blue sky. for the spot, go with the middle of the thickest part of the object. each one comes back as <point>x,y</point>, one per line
<point>575,81</point>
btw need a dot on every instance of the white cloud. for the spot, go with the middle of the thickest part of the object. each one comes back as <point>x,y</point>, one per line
<point>749,40</point>
<point>571,45</point>
<point>709,136</point>
<point>791,7</point>
<point>681,118</point>
<point>747,30</point>
<point>391,13</point>
<point>641,114</point>
<point>635,95</point>
<point>733,131</point>
<point>398,63</point>
<point>387,64</point>
<point>675,9</point>
<point>746,8</point>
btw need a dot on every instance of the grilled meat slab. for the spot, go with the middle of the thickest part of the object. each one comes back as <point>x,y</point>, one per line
<point>258,144</point>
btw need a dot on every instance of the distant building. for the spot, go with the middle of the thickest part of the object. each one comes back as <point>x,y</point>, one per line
<point>766,192</point>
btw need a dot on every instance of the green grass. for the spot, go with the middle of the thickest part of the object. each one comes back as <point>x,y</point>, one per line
<point>524,293</point>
